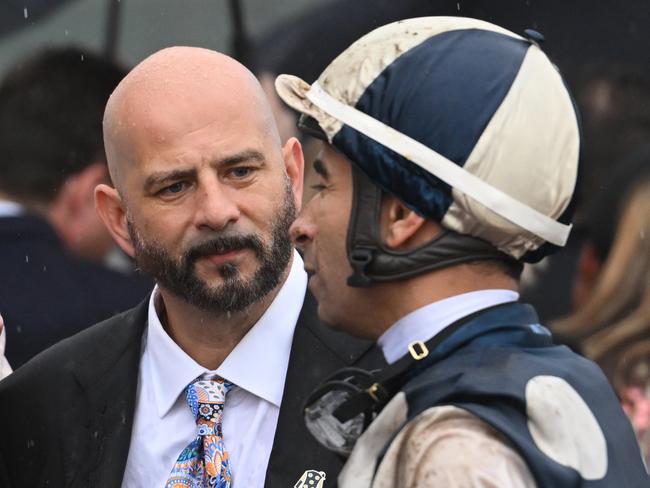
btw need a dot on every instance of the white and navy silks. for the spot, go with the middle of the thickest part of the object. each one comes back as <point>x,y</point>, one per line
<point>555,408</point>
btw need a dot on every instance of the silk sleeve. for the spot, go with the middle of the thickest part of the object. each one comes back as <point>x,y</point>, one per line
<point>447,447</point>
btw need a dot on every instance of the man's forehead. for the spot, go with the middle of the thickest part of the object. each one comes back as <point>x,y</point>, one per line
<point>178,92</point>
<point>184,104</point>
<point>164,119</point>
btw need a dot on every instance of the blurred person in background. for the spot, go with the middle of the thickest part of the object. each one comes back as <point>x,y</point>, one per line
<point>614,103</point>
<point>51,240</point>
<point>611,322</point>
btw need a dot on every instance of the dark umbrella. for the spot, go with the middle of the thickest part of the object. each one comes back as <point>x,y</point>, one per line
<point>17,14</point>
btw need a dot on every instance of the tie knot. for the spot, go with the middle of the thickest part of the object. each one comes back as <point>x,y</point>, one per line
<point>206,396</point>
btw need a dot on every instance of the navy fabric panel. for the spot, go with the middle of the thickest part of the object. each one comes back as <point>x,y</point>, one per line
<point>441,93</point>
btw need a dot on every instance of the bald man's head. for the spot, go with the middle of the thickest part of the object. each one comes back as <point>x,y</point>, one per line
<point>173,92</point>
<point>204,191</point>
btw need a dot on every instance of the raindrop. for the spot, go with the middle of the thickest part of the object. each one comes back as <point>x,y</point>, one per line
<point>30,443</point>
<point>82,57</point>
<point>228,314</point>
<point>44,268</point>
<point>458,6</point>
<point>25,13</point>
<point>26,258</point>
<point>66,32</point>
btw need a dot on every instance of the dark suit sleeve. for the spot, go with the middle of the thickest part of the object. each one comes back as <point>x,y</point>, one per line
<point>4,479</point>
<point>29,449</point>
<point>65,416</point>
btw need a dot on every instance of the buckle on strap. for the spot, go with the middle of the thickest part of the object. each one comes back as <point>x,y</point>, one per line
<point>418,350</point>
<point>378,393</point>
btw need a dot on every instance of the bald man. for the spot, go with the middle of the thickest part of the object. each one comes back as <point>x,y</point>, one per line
<point>204,195</point>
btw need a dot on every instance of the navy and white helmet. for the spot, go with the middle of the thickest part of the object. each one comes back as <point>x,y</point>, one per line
<point>466,122</point>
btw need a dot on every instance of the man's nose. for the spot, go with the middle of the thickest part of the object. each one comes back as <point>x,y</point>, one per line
<point>302,231</point>
<point>217,207</point>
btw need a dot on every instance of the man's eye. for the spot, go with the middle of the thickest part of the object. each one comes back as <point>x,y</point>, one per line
<point>175,188</point>
<point>241,172</point>
<point>318,187</point>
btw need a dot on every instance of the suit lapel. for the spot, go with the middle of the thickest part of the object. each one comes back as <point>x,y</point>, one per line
<point>96,449</point>
<point>316,353</point>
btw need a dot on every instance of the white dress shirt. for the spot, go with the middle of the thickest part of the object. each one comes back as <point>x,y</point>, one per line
<point>163,423</point>
<point>7,209</point>
<point>10,209</point>
<point>425,322</point>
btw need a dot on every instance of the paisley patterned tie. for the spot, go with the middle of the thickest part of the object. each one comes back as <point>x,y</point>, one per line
<point>204,463</point>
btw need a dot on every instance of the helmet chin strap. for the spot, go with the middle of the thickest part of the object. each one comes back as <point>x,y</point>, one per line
<point>372,262</point>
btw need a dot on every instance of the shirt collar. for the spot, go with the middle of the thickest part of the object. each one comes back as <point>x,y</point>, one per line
<point>258,364</point>
<point>424,323</point>
<point>10,209</point>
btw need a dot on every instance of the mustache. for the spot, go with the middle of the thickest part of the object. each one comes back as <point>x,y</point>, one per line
<point>224,244</point>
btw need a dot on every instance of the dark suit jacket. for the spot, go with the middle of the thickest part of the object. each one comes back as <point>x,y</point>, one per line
<point>47,295</point>
<point>66,416</point>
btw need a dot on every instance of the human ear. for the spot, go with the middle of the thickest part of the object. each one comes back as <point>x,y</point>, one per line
<point>78,189</point>
<point>294,162</point>
<point>401,227</point>
<point>111,210</point>
<point>72,212</point>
